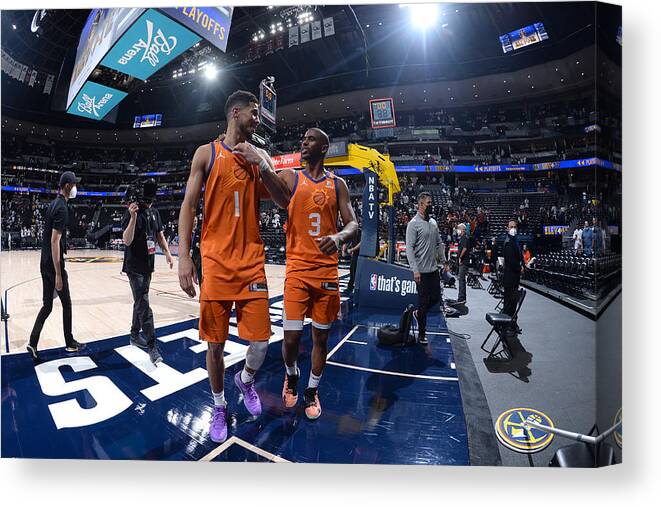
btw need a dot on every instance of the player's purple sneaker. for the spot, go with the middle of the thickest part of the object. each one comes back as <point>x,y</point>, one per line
<point>218,429</point>
<point>250,396</point>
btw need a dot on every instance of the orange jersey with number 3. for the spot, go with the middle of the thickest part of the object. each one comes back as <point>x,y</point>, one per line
<point>231,247</point>
<point>312,214</point>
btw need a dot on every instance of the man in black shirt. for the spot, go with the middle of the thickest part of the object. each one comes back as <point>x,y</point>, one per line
<point>142,229</point>
<point>513,264</point>
<point>54,278</point>
<point>463,258</point>
<point>352,248</point>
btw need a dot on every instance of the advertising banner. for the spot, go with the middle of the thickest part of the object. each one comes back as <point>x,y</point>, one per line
<point>369,239</point>
<point>383,285</point>
<point>149,45</point>
<point>288,161</point>
<point>95,101</point>
<point>102,29</point>
<point>212,23</point>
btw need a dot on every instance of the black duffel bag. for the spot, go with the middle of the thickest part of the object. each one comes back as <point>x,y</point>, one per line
<point>398,336</point>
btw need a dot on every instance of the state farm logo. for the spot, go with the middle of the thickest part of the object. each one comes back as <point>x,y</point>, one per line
<point>392,284</point>
<point>287,161</point>
<point>152,47</point>
<point>89,104</point>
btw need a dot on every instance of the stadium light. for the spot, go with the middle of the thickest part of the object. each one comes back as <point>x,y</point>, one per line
<point>423,16</point>
<point>210,72</point>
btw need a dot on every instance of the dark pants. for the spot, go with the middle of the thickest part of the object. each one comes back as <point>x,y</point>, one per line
<point>429,295</point>
<point>48,284</point>
<point>463,269</point>
<point>352,270</point>
<point>143,318</point>
<point>510,300</point>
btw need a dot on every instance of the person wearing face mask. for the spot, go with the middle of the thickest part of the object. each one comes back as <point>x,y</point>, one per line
<point>55,281</point>
<point>463,257</point>
<point>423,247</point>
<point>513,264</point>
<point>142,229</point>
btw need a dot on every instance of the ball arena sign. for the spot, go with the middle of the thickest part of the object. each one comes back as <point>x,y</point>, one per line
<point>152,42</point>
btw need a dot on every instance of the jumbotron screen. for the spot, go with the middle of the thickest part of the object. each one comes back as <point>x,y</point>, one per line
<point>555,230</point>
<point>382,113</point>
<point>268,101</point>
<point>531,34</point>
<point>147,120</point>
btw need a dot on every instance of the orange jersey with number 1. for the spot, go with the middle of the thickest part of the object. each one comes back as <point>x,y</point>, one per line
<point>231,247</point>
<point>312,214</point>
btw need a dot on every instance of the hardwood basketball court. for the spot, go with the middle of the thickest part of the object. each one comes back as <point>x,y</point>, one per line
<point>100,295</point>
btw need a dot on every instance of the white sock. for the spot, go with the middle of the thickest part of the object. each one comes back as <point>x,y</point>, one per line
<point>314,380</point>
<point>246,376</point>
<point>292,370</point>
<point>219,399</point>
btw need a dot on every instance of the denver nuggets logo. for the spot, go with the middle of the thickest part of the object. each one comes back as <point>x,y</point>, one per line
<point>319,198</point>
<point>514,434</point>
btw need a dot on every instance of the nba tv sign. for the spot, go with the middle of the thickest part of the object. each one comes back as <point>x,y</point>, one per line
<point>95,101</point>
<point>369,238</point>
<point>150,44</point>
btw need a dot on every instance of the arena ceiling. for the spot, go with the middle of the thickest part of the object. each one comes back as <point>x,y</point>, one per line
<point>374,46</point>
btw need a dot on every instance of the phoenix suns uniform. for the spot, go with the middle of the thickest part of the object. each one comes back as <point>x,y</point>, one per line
<point>311,283</point>
<point>232,251</point>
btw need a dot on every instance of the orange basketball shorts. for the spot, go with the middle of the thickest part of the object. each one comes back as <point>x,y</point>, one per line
<point>317,299</point>
<point>252,315</point>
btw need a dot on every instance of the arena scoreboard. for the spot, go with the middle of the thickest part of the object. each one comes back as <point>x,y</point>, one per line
<point>147,120</point>
<point>382,113</point>
<point>531,34</point>
<point>267,104</point>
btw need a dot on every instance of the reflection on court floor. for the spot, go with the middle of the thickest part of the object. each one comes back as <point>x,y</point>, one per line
<point>379,405</point>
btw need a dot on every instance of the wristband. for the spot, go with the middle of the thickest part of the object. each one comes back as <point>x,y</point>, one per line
<point>264,165</point>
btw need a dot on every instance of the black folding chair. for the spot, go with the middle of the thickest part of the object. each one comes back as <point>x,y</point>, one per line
<point>501,323</point>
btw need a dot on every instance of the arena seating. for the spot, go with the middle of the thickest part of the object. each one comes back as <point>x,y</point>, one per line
<point>505,206</point>
<point>586,277</point>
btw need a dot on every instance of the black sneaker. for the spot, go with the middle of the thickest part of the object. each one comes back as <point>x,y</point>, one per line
<point>422,340</point>
<point>312,405</point>
<point>290,390</point>
<point>155,355</point>
<point>138,342</point>
<point>74,346</point>
<point>33,353</point>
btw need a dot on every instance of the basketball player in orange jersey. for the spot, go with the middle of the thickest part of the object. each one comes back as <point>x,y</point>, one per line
<point>311,282</point>
<point>235,175</point>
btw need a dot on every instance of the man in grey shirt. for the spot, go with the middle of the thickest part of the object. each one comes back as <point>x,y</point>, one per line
<point>423,246</point>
